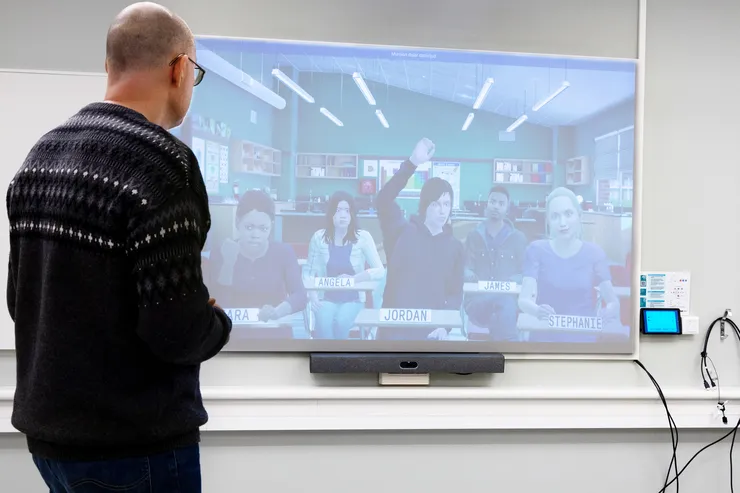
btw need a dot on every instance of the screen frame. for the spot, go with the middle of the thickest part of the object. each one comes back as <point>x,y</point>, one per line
<point>546,351</point>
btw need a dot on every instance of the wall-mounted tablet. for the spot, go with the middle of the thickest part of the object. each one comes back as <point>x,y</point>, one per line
<point>382,198</point>
<point>666,321</point>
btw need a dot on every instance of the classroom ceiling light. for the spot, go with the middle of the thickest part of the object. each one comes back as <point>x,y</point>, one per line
<point>552,96</point>
<point>217,65</point>
<point>518,122</point>
<point>381,117</point>
<point>331,117</point>
<point>280,75</point>
<point>483,93</point>
<point>468,121</point>
<point>363,88</point>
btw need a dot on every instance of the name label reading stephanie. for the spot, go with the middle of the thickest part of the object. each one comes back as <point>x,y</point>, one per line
<point>573,322</point>
<point>334,282</point>
<point>406,315</point>
<point>243,315</point>
<point>498,286</point>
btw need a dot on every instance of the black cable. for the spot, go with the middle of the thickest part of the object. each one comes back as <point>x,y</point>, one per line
<point>732,446</point>
<point>671,425</point>
<point>731,432</point>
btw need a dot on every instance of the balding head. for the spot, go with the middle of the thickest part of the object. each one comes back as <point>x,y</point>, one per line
<point>146,36</point>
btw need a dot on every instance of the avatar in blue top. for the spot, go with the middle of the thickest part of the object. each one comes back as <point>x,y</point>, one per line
<point>564,275</point>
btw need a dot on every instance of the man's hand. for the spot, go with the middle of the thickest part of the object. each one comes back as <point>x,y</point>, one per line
<point>212,302</point>
<point>229,251</point>
<point>423,152</point>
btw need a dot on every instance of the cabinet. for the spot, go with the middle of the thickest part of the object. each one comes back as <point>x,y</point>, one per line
<point>522,172</point>
<point>327,166</point>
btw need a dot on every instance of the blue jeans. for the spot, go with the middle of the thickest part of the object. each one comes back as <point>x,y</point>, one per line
<point>334,320</point>
<point>177,471</point>
<point>497,312</point>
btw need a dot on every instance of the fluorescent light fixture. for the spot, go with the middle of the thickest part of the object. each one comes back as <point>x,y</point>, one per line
<point>518,122</point>
<point>279,75</point>
<point>382,119</point>
<point>331,117</point>
<point>552,96</point>
<point>363,88</point>
<point>483,93</point>
<point>218,66</point>
<point>468,121</point>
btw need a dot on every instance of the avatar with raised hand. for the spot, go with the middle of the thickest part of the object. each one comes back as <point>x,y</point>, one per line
<point>425,261</point>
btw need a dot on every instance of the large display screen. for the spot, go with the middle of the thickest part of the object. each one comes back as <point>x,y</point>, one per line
<point>377,198</point>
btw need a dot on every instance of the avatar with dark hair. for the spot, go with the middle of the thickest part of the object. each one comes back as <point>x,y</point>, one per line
<point>425,261</point>
<point>259,272</point>
<point>495,252</point>
<point>341,249</point>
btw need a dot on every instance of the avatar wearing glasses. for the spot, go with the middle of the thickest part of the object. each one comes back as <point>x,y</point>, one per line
<point>261,273</point>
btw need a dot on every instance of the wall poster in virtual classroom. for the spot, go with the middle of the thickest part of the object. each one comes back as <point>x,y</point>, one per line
<point>449,172</point>
<point>665,290</point>
<point>223,164</point>
<point>213,157</point>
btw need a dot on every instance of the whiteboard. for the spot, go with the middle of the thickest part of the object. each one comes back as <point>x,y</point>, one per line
<point>31,104</point>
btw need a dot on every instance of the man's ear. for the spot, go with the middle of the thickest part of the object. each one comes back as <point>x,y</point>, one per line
<point>106,65</point>
<point>178,73</point>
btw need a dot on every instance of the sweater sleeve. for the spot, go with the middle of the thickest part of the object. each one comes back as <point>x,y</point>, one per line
<point>392,221</point>
<point>10,292</point>
<point>175,319</point>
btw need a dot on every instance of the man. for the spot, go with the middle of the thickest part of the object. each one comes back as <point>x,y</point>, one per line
<point>495,252</point>
<point>108,215</point>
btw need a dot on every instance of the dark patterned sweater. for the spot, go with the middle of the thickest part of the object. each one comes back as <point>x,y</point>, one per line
<point>108,216</point>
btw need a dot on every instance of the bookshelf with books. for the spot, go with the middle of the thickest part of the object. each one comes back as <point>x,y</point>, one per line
<point>522,172</point>
<point>328,166</point>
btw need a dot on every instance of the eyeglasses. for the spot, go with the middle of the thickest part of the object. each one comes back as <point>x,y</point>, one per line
<point>200,72</point>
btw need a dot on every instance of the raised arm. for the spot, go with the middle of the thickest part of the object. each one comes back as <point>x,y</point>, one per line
<point>390,214</point>
<point>176,320</point>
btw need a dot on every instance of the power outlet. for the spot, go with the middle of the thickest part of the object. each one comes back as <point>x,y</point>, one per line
<point>690,324</point>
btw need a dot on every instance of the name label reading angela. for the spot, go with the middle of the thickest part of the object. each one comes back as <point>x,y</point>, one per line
<point>243,315</point>
<point>406,315</point>
<point>572,322</point>
<point>334,282</point>
<point>498,286</point>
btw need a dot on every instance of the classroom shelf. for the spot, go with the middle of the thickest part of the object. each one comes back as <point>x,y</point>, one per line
<point>577,171</point>
<point>258,159</point>
<point>327,166</point>
<point>522,172</point>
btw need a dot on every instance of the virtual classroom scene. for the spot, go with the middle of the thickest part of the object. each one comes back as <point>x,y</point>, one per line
<point>376,193</point>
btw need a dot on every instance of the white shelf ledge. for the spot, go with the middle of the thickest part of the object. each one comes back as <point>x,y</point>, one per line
<point>377,408</point>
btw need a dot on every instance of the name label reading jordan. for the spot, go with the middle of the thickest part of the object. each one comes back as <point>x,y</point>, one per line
<point>572,322</point>
<point>498,286</point>
<point>406,315</point>
<point>243,315</point>
<point>334,282</point>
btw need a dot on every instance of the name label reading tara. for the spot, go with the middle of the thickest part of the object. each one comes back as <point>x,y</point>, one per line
<point>334,282</point>
<point>406,315</point>
<point>243,315</point>
<point>572,322</point>
<point>498,286</point>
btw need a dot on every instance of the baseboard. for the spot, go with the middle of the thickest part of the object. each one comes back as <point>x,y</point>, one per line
<point>375,408</point>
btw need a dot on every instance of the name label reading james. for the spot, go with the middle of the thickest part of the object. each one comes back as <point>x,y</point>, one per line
<point>334,282</point>
<point>498,286</point>
<point>573,322</point>
<point>243,315</point>
<point>406,315</point>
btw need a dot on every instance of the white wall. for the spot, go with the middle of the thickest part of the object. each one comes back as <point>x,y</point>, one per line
<point>690,182</point>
